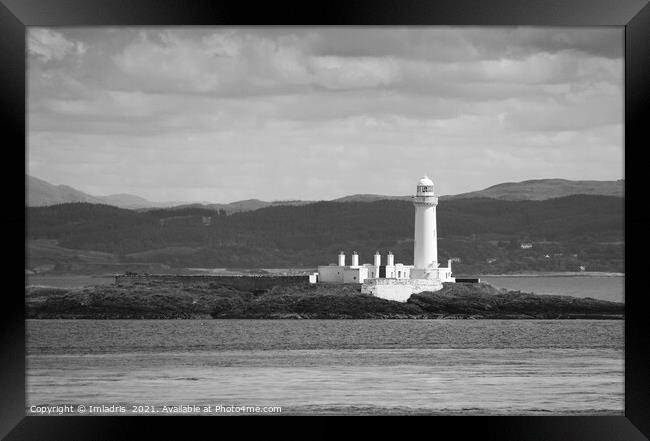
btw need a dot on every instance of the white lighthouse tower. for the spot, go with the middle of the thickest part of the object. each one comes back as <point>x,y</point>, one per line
<point>425,252</point>
<point>398,281</point>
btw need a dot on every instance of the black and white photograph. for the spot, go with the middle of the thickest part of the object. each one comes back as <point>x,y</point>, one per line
<point>325,220</point>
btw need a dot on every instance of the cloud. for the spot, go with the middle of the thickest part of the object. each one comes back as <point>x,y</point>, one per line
<point>48,45</point>
<point>231,64</point>
<point>449,44</point>
<point>450,62</point>
<point>223,114</point>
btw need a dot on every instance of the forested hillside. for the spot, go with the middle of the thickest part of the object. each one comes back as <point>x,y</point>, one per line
<point>485,234</point>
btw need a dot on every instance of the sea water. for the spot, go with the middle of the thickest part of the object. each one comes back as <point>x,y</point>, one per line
<point>605,287</point>
<point>467,367</point>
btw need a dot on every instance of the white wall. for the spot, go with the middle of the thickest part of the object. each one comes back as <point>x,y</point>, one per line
<point>444,274</point>
<point>397,289</point>
<point>425,246</point>
<point>440,274</point>
<point>399,271</point>
<point>355,275</point>
<point>398,293</point>
<point>402,271</point>
<point>330,274</point>
<point>346,274</point>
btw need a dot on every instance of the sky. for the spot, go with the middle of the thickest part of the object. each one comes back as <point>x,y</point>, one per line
<point>218,114</point>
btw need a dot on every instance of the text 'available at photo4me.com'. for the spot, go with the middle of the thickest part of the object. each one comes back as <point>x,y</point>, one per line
<point>139,409</point>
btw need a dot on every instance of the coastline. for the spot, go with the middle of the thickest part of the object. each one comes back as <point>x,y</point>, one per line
<point>177,300</point>
<point>554,274</point>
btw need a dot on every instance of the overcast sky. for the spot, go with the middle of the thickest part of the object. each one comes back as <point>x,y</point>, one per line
<point>221,114</point>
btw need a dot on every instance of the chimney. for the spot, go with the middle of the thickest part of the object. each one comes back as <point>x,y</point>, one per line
<point>377,259</point>
<point>341,258</point>
<point>355,259</point>
<point>390,259</point>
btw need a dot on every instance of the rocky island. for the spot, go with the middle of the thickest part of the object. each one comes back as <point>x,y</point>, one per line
<point>155,299</point>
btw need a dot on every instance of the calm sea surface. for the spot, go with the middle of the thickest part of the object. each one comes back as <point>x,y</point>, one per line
<point>481,367</point>
<point>597,287</point>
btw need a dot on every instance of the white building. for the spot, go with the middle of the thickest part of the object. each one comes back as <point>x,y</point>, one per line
<point>356,273</point>
<point>398,281</point>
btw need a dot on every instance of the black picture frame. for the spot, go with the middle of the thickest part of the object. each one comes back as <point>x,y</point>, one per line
<point>634,15</point>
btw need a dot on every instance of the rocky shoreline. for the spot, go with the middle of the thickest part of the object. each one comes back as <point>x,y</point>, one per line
<point>156,300</point>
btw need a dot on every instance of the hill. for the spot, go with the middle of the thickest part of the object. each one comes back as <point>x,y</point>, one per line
<point>542,189</point>
<point>484,234</point>
<point>531,190</point>
<point>41,193</point>
<point>239,206</point>
<point>124,200</point>
<point>371,198</point>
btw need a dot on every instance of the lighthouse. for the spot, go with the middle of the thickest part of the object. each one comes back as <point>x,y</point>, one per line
<point>425,248</point>
<point>396,281</point>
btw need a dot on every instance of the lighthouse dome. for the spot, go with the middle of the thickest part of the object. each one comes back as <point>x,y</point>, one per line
<point>425,187</point>
<point>425,181</point>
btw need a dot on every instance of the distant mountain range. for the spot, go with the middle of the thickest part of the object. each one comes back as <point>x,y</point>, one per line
<point>542,189</point>
<point>240,206</point>
<point>41,193</point>
<point>256,204</point>
<point>532,190</point>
